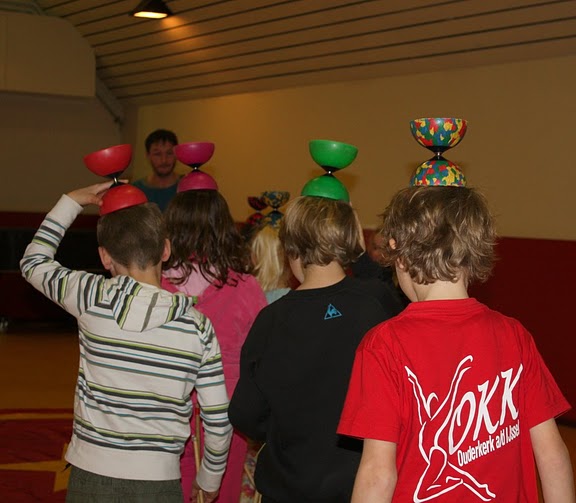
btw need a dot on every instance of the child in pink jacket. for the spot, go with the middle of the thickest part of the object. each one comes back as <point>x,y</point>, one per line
<point>209,260</point>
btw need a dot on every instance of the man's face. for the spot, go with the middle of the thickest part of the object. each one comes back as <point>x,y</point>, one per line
<point>162,158</point>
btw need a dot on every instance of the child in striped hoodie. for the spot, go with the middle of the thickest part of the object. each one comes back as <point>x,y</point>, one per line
<point>142,352</point>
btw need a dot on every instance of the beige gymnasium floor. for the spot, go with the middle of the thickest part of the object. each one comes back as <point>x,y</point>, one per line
<point>37,376</point>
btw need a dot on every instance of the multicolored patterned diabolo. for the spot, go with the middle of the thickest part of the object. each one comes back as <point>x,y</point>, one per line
<point>438,135</point>
<point>275,199</point>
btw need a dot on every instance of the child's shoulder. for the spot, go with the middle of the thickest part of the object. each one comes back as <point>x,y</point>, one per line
<point>382,333</point>
<point>151,306</point>
<point>187,311</point>
<point>189,325</point>
<point>381,292</point>
<point>413,321</point>
<point>371,288</point>
<point>507,323</point>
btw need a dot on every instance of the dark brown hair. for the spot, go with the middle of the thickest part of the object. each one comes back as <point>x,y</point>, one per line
<point>440,233</point>
<point>318,231</point>
<point>204,237</point>
<point>133,236</point>
<point>160,136</point>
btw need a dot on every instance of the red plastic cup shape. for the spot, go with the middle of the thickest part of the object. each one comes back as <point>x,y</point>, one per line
<point>194,154</point>
<point>110,161</point>
<point>120,197</point>
<point>197,180</point>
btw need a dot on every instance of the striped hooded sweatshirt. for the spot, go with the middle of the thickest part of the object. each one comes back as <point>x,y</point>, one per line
<point>142,352</point>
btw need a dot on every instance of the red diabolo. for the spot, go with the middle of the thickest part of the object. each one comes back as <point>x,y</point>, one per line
<point>111,163</point>
<point>195,154</point>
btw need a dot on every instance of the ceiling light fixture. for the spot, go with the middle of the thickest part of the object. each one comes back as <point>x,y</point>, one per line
<point>151,9</point>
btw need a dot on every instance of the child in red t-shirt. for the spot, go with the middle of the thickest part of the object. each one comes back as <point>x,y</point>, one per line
<point>452,399</point>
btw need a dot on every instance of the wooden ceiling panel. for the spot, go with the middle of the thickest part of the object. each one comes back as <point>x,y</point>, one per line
<point>334,54</point>
<point>242,54</point>
<point>350,20</point>
<point>246,13</point>
<point>229,43</point>
<point>220,32</point>
<point>427,49</point>
<point>179,25</point>
<point>216,47</point>
<point>430,64</point>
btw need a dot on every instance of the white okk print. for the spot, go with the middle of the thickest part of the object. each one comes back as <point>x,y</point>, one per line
<point>441,476</point>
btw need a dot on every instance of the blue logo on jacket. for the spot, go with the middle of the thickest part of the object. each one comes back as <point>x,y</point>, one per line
<point>332,312</point>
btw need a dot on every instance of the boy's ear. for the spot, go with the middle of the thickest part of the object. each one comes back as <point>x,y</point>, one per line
<point>105,258</point>
<point>297,269</point>
<point>167,250</point>
<point>399,263</point>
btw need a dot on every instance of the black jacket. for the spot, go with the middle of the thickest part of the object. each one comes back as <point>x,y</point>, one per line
<point>294,372</point>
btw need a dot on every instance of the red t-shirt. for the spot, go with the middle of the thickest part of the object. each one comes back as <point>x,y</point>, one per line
<point>457,387</point>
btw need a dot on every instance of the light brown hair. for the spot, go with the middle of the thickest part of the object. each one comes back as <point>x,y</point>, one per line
<point>133,236</point>
<point>318,231</point>
<point>440,233</point>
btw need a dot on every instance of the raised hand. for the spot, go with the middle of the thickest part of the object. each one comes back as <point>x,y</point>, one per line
<point>91,194</point>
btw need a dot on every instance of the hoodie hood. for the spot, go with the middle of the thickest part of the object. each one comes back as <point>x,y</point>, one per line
<point>138,307</point>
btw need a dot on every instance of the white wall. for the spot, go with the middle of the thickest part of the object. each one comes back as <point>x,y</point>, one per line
<point>42,142</point>
<point>518,150</point>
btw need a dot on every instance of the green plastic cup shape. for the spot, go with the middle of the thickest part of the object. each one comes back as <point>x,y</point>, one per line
<point>326,186</point>
<point>332,155</point>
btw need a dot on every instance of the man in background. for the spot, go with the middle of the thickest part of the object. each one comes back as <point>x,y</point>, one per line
<point>160,185</point>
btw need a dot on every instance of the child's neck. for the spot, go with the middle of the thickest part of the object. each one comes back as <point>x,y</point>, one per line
<point>151,275</point>
<point>321,276</point>
<point>442,290</point>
